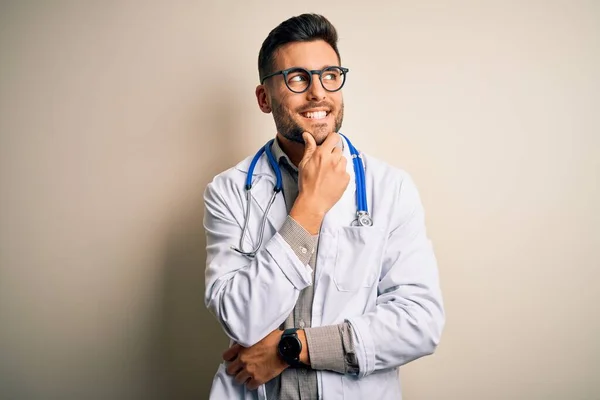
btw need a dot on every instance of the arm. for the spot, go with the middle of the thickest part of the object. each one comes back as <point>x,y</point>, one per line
<point>260,363</point>
<point>250,297</point>
<point>408,320</point>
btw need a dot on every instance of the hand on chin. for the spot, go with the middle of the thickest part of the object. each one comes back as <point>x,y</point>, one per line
<point>319,132</point>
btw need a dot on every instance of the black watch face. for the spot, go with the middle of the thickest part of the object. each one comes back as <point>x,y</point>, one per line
<point>289,347</point>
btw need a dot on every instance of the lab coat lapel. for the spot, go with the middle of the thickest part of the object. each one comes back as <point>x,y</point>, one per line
<point>343,213</point>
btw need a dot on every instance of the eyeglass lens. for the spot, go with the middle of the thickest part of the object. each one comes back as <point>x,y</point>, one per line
<point>332,78</point>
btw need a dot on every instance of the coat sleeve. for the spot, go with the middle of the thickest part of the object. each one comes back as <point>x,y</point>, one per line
<point>408,319</point>
<point>250,297</point>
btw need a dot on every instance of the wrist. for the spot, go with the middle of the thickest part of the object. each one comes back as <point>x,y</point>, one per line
<point>293,348</point>
<point>306,213</point>
<point>304,355</point>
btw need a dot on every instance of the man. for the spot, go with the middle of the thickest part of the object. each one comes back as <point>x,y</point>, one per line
<point>319,306</point>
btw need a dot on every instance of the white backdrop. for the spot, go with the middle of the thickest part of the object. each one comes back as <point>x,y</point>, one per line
<point>115,115</point>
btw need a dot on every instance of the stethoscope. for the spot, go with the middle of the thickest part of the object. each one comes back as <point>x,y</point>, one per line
<point>362,212</point>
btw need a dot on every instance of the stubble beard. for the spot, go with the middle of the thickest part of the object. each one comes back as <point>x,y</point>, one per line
<point>288,127</point>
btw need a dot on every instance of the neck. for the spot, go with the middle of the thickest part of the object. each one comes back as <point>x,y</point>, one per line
<point>294,150</point>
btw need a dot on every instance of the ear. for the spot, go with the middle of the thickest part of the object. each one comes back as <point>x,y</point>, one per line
<point>263,100</point>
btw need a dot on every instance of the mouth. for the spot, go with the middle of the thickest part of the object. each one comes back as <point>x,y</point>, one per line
<point>315,114</point>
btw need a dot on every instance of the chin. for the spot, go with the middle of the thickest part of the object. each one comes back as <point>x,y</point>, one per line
<point>319,139</point>
<point>321,133</point>
<point>318,131</point>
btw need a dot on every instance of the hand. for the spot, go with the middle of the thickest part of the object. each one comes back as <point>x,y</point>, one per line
<point>258,364</point>
<point>322,181</point>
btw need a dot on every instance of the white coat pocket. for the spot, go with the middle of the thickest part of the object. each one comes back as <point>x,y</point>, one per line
<point>358,257</point>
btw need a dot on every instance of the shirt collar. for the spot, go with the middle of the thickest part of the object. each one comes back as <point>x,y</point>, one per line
<point>280,155</point>
<point>283,158</point>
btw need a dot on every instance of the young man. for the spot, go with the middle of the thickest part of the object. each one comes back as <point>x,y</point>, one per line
<point>326,288</point>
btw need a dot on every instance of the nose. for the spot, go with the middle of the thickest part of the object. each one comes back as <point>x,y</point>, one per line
<point>316,91</point>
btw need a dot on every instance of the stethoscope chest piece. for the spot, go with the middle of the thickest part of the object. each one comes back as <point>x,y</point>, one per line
<point>364,219</point>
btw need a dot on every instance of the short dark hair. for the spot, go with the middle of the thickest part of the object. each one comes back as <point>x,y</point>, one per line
<point>302,28</point>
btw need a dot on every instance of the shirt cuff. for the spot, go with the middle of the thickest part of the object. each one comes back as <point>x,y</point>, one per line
<point>325,348</point>
<point>350,358</point>
<point>299,239</point>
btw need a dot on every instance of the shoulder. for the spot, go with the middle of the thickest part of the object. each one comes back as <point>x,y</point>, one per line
<point>383,173</point>
<point>394,191</point>
<point>229,181</point>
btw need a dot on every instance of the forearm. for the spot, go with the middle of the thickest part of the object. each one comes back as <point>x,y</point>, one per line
<point>307,213</point>
<point>402,328</point>
<point>255,298</point>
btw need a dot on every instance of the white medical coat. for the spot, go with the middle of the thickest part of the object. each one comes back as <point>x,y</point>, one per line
<point>382,279</point>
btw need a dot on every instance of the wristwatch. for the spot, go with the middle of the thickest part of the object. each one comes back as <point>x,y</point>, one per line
<point>290,347</point>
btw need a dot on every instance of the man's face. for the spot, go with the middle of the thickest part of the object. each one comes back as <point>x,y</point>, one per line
<point>316,111</point>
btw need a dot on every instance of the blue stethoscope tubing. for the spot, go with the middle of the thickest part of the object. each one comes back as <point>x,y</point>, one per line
<point>363,217</point>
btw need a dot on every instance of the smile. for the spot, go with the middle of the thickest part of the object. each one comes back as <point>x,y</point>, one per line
<point>315,114</point>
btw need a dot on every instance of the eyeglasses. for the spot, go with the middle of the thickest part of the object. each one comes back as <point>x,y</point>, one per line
<point>298,80</point>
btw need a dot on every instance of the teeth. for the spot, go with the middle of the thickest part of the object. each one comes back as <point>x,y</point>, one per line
<point>316,114</point>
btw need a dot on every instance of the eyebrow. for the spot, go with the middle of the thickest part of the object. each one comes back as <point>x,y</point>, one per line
<point>329,65</point>
<point>322,67</point>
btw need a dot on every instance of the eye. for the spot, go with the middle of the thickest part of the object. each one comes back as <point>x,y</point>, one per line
<point>331,75</point>
<point>297,77</point>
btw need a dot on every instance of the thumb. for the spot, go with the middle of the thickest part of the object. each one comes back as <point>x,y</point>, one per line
<point>309,145</point>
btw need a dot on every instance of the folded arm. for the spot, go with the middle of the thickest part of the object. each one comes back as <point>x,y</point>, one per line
<point>251,297</point>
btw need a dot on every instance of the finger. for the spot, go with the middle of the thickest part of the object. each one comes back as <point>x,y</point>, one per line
<point>331,141</point>
<point>339,160</point>
<point>231,353</point>
<point>337,151</point>
<point>309,145</point>
<point>234,368</point>
<point>242,377</point>
<point>339,144</point>
<point>252,384</point>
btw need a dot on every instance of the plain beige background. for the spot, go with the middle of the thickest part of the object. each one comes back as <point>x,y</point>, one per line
<point>115,115</point>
